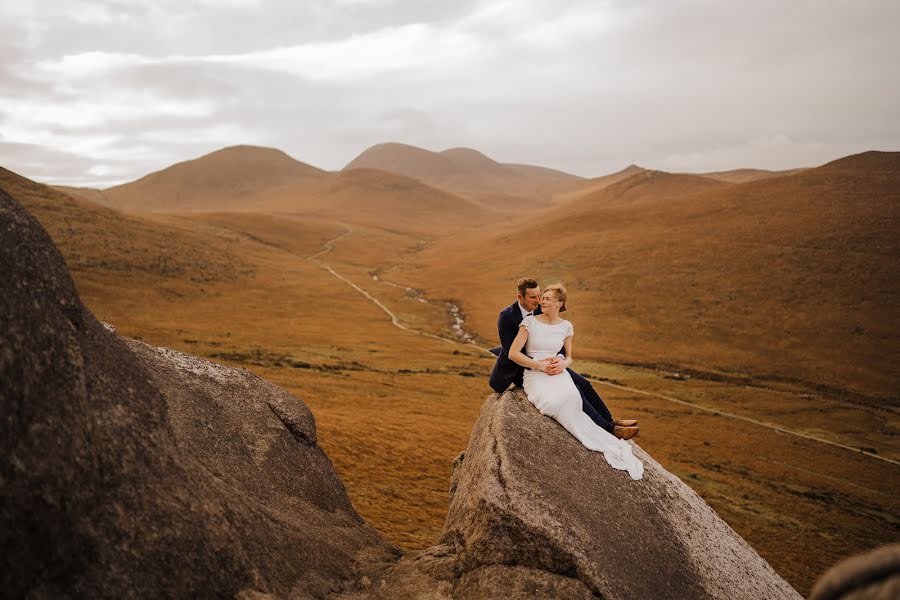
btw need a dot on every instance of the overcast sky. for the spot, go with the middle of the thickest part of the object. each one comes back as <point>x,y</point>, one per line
<point>95,93</point>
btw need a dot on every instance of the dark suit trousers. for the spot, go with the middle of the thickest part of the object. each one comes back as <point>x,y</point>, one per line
<point>591,403</point>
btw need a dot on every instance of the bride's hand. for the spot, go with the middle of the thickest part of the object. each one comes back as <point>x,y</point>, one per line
<point>544,366</point>
<point>556,366</point>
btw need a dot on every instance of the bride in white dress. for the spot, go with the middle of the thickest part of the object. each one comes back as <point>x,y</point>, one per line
<point>550,388</point>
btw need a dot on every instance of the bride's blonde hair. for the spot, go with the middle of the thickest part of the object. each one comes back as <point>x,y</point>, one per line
<point>559,290</point>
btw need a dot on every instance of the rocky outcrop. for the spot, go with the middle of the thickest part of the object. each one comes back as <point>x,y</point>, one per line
<point>535,514</point>
<point>132,471</point>
<point>873,575</point>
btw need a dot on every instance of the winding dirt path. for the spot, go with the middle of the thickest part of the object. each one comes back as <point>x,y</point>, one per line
<point>329,246</point>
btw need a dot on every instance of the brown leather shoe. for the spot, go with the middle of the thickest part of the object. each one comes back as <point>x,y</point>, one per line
<point>625,422</point>
<point>626,433</point>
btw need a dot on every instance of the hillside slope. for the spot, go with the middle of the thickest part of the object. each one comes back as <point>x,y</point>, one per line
<point>98,239</point>
<point>261,180</point>
<point>378,199</point>
<point>746,175</point>
<point>227,179</point>
<point>793,277</point>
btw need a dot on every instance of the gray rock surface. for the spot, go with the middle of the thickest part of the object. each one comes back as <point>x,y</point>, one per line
<point>873,575</point>
<point>533,514</point>
<point>131,471</point>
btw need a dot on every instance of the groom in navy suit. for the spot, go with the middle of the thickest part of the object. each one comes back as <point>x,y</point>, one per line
<point>506,371</point>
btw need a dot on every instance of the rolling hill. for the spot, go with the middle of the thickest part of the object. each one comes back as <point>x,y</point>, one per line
<point>588,186</point>
<point>91,194</point>
<point>261,180</point>
<point>642,185</point>
<point>228,179</point>
<point>583,187</point>
<point>376,198</point>
<point>126,248</point>
<point>468,173</point>
<point>746,175</point>
<point>791,278</point>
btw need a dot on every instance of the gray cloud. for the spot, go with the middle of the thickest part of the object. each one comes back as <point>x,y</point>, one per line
<point>122,87</point>
<point>54,167</point>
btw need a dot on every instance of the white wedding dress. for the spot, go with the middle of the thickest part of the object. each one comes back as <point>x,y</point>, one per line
<point>556,396</point>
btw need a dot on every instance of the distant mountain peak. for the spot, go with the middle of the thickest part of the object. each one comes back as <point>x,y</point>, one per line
<point>465,172</point>
<point>394,146</point>
<point>223,178</point>
<point>248,151</point>
<point>247,148</point>
<point>467,153</point>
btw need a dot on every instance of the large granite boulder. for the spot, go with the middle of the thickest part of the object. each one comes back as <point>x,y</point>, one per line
<point>533,514</point>
<point>131,471</point>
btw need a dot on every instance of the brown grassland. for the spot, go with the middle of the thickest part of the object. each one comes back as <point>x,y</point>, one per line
<point>724,316</point>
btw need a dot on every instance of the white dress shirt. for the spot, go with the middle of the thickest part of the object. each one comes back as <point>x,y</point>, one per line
<point>525,313</point>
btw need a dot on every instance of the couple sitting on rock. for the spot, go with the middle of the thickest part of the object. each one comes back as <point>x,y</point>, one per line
<point>535,352</point>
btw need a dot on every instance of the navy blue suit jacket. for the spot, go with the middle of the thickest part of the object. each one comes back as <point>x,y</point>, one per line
<point>506,371</point>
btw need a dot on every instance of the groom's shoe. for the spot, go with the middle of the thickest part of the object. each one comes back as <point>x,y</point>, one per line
<point>625,433</point>
<point>624,422</point>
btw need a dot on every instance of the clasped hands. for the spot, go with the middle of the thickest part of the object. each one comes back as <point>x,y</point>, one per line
<point>552,366</point>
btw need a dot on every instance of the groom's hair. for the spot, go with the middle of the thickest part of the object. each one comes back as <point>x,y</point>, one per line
<point>526,283</point>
